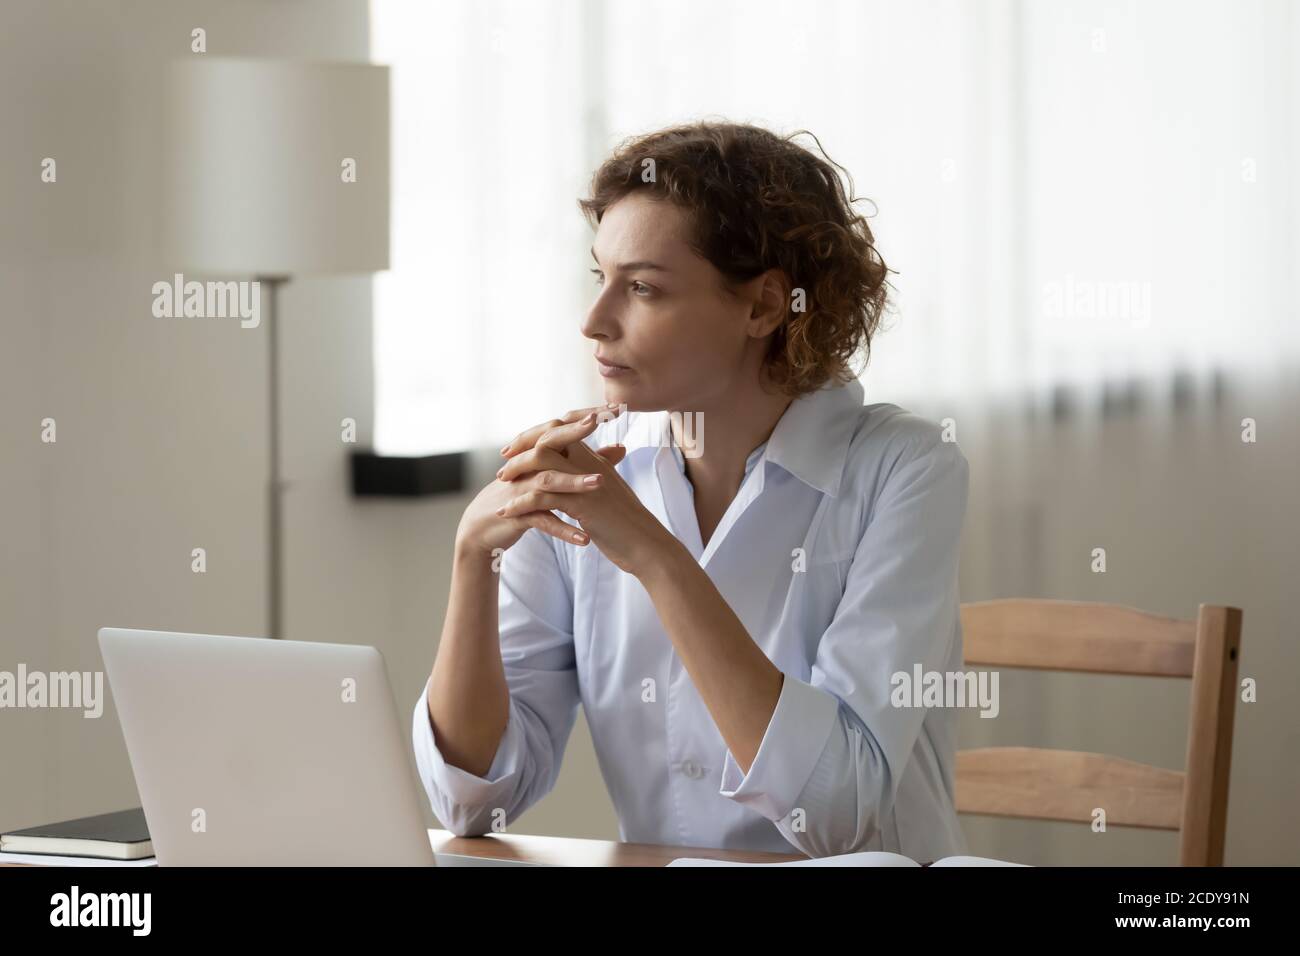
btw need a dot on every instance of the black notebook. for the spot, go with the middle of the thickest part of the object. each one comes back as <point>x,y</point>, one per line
<point>122,835</point>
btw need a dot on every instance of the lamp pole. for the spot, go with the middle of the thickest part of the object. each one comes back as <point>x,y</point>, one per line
<point>275,482</point>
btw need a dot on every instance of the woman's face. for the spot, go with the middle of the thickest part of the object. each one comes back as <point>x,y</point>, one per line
<point>668,335</point>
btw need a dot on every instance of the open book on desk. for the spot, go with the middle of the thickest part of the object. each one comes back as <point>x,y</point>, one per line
<point>867,858</point>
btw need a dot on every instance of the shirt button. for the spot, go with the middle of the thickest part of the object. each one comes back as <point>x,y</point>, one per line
<point>692,769</point>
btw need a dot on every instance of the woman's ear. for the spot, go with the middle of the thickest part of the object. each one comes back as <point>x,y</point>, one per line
<point>771,303</point>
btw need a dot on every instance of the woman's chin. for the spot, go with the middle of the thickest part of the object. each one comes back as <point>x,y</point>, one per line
<point>619,393</point>
<point>636,396</point>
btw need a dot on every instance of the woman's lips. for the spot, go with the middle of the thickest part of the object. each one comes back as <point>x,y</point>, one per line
<point>610,370</point>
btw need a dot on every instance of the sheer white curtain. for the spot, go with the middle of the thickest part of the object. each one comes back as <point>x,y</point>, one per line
<point>476,324</point>
<point>1073,194</point>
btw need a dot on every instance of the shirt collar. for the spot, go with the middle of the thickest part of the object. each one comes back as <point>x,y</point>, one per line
<point>811,441</point>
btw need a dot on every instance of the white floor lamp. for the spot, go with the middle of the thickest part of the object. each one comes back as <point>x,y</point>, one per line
<point>277,169</point>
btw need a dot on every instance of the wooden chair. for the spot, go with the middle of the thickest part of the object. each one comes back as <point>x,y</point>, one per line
<point>1045,784</point>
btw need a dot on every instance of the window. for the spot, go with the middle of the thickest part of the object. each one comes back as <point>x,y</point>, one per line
<point>1069,193</point>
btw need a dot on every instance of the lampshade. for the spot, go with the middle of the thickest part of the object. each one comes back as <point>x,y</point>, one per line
<point>260,157</point>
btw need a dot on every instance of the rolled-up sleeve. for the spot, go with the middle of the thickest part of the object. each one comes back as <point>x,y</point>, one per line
<point>828,767</point>
<point>536,635</point>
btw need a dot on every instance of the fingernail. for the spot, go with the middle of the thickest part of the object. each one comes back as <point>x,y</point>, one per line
<point>591,417</point>
<point>504,449</point>
<point>501,512</point>
<point>591,480</point>
<point>500,472</point>
<point>579,537</point>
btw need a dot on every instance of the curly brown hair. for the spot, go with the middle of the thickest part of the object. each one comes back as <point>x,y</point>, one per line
<point>760,201</point>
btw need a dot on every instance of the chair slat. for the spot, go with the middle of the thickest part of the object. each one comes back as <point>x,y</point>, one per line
<point>1076,636</point>
<point>1040,784</point>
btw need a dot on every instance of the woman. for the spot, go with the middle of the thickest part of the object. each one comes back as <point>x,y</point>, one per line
<point>728,603</point>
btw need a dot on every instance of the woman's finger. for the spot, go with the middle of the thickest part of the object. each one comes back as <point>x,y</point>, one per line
<point>582,459</point>
<point>526,439</point>
<point>612,454</point>
<point>542,458</point>
<point>548,523</point>
<point>534,459</point>
<point>562,482</point>
<point>561,437</point>
<point>537,501</point>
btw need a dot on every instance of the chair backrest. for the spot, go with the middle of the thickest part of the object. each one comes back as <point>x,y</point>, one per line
<point>1043,784</point>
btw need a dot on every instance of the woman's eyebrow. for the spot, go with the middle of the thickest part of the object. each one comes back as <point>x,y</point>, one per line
<point>639,264</point>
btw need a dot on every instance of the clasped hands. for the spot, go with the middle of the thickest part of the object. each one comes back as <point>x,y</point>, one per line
<point>550,468</point>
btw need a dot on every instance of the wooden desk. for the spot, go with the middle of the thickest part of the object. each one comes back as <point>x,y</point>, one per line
<point>565,851</point>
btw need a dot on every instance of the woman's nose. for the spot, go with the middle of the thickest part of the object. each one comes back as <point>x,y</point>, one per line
<point>600,322</point>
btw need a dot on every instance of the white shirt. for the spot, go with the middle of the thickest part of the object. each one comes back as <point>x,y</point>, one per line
<point>875,500</point>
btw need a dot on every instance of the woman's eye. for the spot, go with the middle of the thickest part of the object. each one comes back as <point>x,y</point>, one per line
<point>637,287</point>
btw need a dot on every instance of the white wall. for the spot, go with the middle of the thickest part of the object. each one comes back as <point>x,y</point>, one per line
<point>161,424</point>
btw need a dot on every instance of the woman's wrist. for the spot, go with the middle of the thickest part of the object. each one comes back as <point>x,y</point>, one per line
<point>469,555</point>
<point>662,559</point>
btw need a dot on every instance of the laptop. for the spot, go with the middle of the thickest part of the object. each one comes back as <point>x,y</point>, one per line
<point>255,752</point>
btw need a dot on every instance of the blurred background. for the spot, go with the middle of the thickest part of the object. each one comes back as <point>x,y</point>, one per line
<point>1091,208</point>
